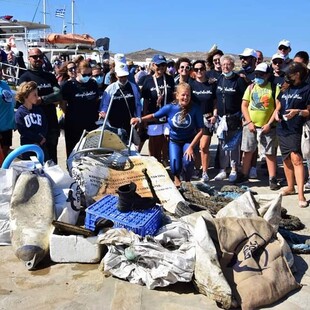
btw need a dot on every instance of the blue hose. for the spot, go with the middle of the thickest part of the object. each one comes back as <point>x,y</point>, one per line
<point>23,149</point>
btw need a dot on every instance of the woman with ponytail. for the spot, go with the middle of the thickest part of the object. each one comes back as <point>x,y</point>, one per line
<point>186,123</point>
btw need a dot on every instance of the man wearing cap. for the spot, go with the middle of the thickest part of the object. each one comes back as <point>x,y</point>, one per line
<point>157,91</point>
<point>277,64</point>
<point>248,62</point>
<point>284,48</point>
<point>258,105</point>
<point>124,98</point>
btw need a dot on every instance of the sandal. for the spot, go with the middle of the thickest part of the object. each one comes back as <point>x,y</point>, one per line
<point>287,192</point>
<point>303,203</point>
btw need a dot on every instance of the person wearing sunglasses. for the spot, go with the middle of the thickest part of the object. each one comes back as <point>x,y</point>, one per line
<point>292,110</point>
<point>284,48</point>
<point>214,65</point>
<point>248,60</point>
<point>183,68</point>
<point>48,97</point>
<point>277,64</point>
<point>157,91</point>
<point>203,94</point>
<point>98,76</point>
<point>121,100</point>
<point>81,104</point>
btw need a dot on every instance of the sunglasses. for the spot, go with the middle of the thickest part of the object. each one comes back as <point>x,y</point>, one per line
<point>244,57</point>
<point>277,62</point>
<point>36,57</point>
<point>72,69</point>
<point>260,74</point>
<point>161,65</point>
<point>97,75</point>
<point>199,69</point>
<point>283,47</point>
<point>187,68</point>
<point>86,74</point>
<point>216,60</point>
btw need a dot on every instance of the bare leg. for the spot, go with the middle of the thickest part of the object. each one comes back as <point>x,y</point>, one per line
<point>271,161</point>
<point>155,146</point>
<point>299,174</point>
<point>289,174</point>
<point>204,152</point>
<point>177,181</point>
<point>246,162</point>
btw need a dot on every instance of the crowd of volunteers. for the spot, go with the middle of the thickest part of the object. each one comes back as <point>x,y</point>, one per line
<point>178,105</point>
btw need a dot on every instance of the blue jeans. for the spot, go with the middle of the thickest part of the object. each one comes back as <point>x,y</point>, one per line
<point>178,163</point>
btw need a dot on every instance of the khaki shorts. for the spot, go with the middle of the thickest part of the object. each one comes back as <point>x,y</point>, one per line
<point>268,141</point>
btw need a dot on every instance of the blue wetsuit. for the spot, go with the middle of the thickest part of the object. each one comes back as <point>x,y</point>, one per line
<point>182,133</point>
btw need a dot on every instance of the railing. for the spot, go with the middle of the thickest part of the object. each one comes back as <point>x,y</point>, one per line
<point>11,73</point>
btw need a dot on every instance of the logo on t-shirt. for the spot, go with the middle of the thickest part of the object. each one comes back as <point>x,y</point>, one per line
<point>178,122</point>
<point>33,119</point>
<point>7,96</point>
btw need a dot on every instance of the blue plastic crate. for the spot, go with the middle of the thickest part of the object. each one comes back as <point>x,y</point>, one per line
<point>143,223</point>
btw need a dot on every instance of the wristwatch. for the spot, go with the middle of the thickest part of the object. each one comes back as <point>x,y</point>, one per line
<point>299,112</point>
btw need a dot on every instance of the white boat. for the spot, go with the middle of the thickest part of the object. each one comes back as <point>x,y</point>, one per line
<point>22,35</point>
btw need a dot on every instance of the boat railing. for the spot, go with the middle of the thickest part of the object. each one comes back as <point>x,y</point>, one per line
<point>11,73</point>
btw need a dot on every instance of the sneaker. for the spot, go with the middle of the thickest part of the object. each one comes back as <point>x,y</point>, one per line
<point>241,178</point>
<point>205,178</point>
<point>195,175</point>
<point>307,185</point>
<point>220,176</point>
<point>253,173</point>
<point>232,176</point>
<point>273,184</point>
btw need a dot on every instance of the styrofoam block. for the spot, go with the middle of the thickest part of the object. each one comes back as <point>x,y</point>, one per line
<point>75,249</point>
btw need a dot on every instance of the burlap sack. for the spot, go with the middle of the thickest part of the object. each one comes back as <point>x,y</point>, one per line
<point>252,261</point>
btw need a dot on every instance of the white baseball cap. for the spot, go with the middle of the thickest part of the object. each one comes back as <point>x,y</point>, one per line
<point>248,52</point>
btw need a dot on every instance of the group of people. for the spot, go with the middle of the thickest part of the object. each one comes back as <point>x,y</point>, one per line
<point>178,106</point>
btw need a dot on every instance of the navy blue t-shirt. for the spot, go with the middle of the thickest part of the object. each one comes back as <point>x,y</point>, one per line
<point>203,94</point>
<point>83,104</point>
<point>229,93</point>
<point>181,130</point>
<point>149,91</point>
<point>119,115</point>
<point>293,98</point>
<point>213,74</point>
<point>31,124</point>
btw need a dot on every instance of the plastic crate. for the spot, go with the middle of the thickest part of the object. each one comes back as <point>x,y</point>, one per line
<point>143,223</point>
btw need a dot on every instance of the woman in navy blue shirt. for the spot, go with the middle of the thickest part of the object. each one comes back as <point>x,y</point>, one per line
<point>185,121</point>
<point>292,109</point>
<point>203,94</point>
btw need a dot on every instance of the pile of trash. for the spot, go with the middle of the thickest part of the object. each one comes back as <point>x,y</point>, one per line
<point>224,241</point>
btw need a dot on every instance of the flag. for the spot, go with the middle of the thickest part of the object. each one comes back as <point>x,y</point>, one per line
<point>60,13</point>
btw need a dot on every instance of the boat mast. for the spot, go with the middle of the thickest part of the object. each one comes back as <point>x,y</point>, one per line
<point>44,16</point>
<point>72,15</point>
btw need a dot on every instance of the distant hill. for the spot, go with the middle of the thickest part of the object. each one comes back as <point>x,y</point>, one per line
<point>141,56</point>
<point>150,52</point>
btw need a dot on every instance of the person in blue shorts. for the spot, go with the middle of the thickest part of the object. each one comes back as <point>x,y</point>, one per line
<point>186,123</point>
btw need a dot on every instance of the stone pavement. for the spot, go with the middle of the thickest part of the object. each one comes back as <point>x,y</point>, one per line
<point>84,286</point>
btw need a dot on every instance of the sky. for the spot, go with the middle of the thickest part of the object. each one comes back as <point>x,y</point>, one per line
<point>176,26</point>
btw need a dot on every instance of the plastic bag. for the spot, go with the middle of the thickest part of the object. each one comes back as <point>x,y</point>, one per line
<point>233,142</point>
<point>305,140</point>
